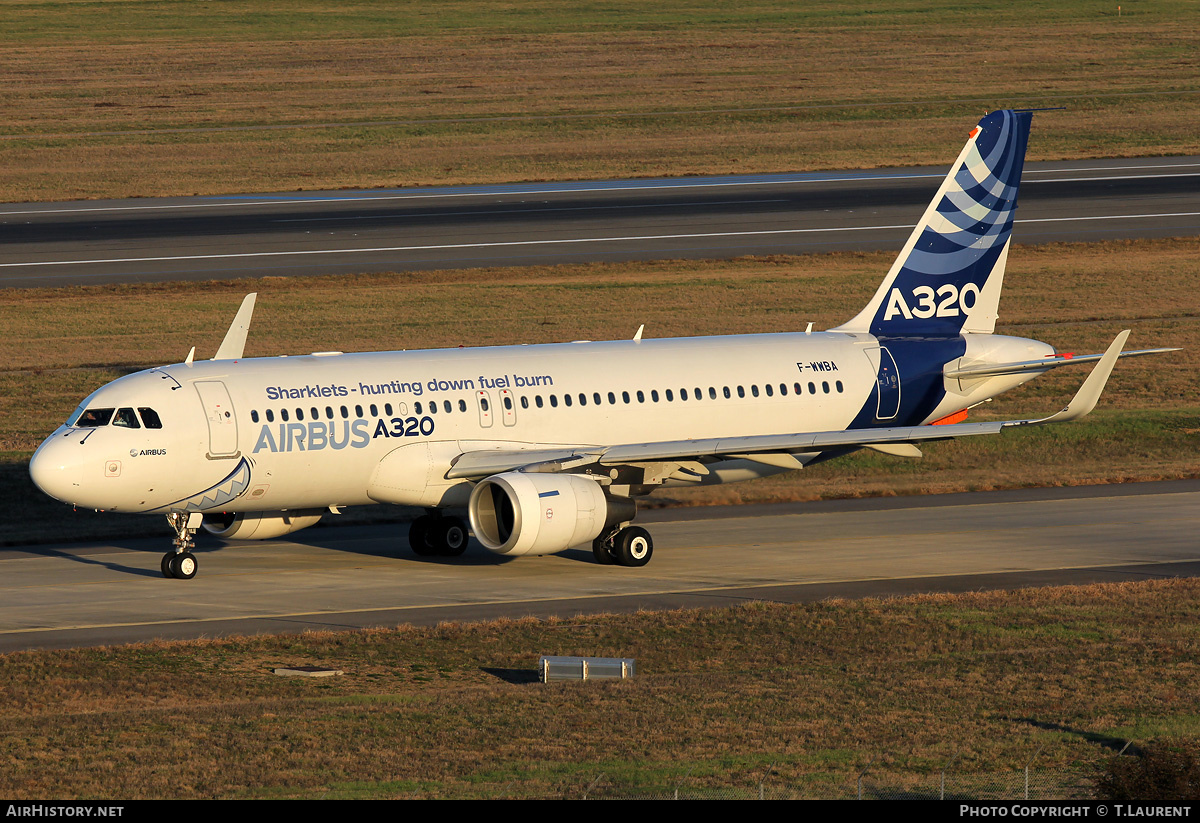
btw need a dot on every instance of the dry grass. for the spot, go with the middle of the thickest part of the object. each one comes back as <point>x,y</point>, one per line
<point>150,98</point>
<point>818,690</point>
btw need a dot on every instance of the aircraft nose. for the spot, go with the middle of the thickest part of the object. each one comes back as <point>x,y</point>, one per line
<point>57,467</point>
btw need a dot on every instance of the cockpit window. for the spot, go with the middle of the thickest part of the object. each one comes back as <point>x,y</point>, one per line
<point>94,417</point>
<point>127,419</point>
<point>150,418</point>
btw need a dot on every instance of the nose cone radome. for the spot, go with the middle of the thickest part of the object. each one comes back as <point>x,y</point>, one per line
<point>57,468</point>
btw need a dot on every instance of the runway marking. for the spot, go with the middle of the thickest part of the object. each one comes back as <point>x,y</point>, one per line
<point>515,243</point>
<point>332,219</point>
<point>584,187</point>
<point>584,596</point>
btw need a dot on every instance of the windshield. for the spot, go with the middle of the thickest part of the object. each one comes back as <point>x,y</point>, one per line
<point>94,417</point>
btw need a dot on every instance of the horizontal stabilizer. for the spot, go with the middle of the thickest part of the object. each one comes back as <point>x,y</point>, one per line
<point>1045,364</point>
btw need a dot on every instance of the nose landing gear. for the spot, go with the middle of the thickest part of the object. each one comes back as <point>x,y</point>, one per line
<point>181,563</point>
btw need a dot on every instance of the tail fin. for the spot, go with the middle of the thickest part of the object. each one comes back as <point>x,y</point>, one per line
<point>947,277</point>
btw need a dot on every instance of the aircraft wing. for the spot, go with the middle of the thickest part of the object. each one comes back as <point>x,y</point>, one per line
<point>484,463</point>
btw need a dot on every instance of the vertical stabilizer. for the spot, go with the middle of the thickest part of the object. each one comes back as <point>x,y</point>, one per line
<point>948,276</point>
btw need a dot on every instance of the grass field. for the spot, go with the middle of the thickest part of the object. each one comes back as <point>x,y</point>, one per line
<point>58,345</point>
<point>143,98</point>
<point>810,695</point>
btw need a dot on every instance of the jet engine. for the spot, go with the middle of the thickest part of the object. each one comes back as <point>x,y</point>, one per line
<point>520,513</point>
<point>259,525</point>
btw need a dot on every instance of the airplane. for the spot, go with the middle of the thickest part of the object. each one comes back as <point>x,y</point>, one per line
<point>549,447</point>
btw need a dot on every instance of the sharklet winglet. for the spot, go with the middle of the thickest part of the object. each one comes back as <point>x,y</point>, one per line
<point>235,339</point>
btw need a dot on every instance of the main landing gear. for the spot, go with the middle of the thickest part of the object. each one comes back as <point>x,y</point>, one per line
<point>181,563</point>
<point>432,535</point>
<point>630,546</point>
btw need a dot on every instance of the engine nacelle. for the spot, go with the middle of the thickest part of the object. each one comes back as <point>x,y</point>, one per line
<point>519,513</point>
<point>259,525</point>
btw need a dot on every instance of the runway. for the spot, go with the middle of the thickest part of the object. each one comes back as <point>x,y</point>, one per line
<point>284,234</point>
<point>342,578</point>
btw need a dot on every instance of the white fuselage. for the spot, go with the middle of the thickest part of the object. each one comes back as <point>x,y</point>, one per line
<point>308,432</point>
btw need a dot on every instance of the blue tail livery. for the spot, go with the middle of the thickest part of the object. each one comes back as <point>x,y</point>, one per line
<point>947,277</point>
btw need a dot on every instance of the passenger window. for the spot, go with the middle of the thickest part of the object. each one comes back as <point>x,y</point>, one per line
<point>462,405</point>
<point>596,398</point>
<point>446,406</point>
<point>270,416</point>
<point>483,404</point>
<point>126,419</point>
<point>670,396</point>
<point>507,404</point>
<point>625,396</point>
<point>387,409</point>
<point>770,390</point>
<point>582,399</point>
<point>433,407</point>
<point>374,410</point>
<point>699,395</point>
<point>417,407</point>
<point>253,418</point>
<point>524,402</point>
<point>553,401</point>
<point>654,395</point>
<point>812,388</point>
<point>839,386</point>
<point>754,390</point>
<point>537,400</point>
<point>640,396</point>
<point>94,417</point>
<point>567,399</point>
<point>612,399</point>
<point>741,391</point>
<point>798,389</point>
<point>783,389</point>
<point>726,392</point>
<point>683,394</point>
<point>329,412</point>
<point>825,386</point>
<point>345,412</point>
<point>358,411</point>
<point>299,414</point>
<point>283,415</point>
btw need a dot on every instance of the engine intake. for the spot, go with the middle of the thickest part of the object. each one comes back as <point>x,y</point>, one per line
<point>520,513</point>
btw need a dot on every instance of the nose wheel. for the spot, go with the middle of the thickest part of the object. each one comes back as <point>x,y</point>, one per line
<point>181,563</point>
